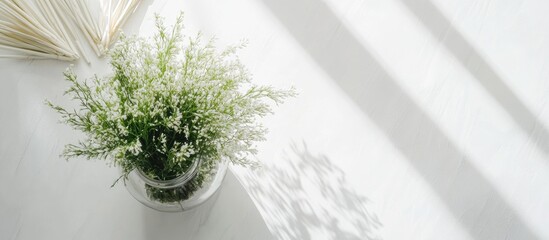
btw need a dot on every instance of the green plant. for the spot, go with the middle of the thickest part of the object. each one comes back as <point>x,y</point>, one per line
<point>168,102</point>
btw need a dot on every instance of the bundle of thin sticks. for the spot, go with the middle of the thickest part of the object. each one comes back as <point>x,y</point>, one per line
<point>33,30</point>
<point>100,30</point>
<point>39,29</point>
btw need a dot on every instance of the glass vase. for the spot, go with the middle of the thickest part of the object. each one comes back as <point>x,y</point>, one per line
<point>178,194</point>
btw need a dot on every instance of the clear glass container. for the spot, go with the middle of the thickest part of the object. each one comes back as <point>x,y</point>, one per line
<point>174,195</point>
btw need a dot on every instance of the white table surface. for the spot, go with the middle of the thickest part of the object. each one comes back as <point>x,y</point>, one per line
<point>416,120</point>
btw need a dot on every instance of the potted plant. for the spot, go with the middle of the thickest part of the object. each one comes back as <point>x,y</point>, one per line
<point>171,116</point>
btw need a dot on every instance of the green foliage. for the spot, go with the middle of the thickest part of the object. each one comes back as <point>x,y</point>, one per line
<point>168,102</point>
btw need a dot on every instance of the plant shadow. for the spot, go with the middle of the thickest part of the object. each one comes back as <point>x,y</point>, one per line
<point>472,199</point>
<point>311,197</point>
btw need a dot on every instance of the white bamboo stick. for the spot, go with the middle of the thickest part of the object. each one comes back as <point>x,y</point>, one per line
<point>35,30</point>
<point>39,28</point>
<point>61,25</point>
<point>39,54</point>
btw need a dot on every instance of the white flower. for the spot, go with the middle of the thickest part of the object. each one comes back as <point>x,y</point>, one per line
<point>135,147</point>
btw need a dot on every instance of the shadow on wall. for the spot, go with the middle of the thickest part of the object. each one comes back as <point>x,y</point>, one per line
<point>441,28</point>
<point>467,194</point>
<point>310,199</point>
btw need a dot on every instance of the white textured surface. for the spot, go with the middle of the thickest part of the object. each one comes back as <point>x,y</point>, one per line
<point>415,120</point>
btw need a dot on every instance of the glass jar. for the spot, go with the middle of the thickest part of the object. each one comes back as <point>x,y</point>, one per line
<point>178,194</point>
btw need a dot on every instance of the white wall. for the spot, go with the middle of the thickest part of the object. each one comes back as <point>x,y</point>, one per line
<point>416,119</point>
